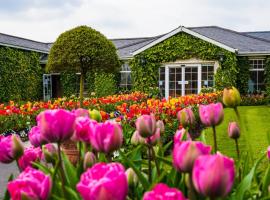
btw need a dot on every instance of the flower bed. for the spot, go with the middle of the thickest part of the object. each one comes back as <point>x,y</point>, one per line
<point>16,117</point>
<point>112,166</point>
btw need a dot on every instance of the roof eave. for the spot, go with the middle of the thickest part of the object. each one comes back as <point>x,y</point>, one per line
<point>258,53</point>
<point>188,31</point>
<point>24,48</point>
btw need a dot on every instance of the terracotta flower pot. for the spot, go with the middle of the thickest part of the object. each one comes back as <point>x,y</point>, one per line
<point>69,147</point>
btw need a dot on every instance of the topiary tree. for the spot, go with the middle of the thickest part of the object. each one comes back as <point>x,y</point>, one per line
<point>82,49</point>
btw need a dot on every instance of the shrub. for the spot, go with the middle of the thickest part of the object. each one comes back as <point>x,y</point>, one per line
<point>104,84</point>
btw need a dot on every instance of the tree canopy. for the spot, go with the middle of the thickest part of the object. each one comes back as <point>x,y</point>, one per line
<point>82,49</point>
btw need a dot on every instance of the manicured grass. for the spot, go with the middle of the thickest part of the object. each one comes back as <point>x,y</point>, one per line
<point>255,125</point>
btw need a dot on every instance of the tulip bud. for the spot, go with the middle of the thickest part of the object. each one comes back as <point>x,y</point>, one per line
<point>146,125</point>
<point>137,139</point>
<point>95,115</point>
<point>154,139</point>
<point>231,97</point>
<point>17,147</point>
<point>161,126</point>
<point>179,136</point>
<point>186,117</point>
<point>49,153</point>
<point>131,177</point>
<point>233,130</point>
<point>89,160</point>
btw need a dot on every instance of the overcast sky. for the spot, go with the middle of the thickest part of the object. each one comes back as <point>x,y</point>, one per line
<point>44,20</point>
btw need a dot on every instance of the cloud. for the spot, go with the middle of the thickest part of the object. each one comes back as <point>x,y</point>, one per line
<point>44,20</point>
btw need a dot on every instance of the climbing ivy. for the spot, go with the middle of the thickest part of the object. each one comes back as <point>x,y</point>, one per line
<point>267,76</point>
<point>179,47</point>
<point>243,75</point>
<point>20,75</point>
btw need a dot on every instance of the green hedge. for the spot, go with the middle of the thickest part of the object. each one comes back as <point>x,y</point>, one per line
<point>105,84</point>
<point>179,47</point>
<point>243,75</point>
<point>20,75</point>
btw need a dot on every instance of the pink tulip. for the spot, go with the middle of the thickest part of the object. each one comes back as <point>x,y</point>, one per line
<point>30,155</point>
<point>146,125</point>
<point>185,154</point>
<point>179,136</point>
<point>56,125</point>
<point>186,117</point>
<point>212,114</point>
<point>162,192</point>
<point>268,152</point>
<point>80,112</point>
<point>233,130</point>
<point>35,136</point>
<point>31,184</point>
<point>106,137</point>
<point>11,148</point>
<point>213,175</point>
<point>82,129</point>
<point>104,182</point>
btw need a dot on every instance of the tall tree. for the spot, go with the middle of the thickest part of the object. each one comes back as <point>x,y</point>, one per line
<point>82,49</point>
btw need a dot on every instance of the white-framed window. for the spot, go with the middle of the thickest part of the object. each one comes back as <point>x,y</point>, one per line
<point>125,76</point>
<point>207,75</point>
<point>161,81</point>
<point>256,80</point>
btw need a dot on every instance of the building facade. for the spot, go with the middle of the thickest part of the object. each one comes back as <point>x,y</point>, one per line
<point>186,73</point>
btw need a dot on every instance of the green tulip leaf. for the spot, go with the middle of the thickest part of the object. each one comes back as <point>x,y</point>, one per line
<point>71,173</point>
<point>7,196</point>
<point>141,177</point>
<point>246,182</point>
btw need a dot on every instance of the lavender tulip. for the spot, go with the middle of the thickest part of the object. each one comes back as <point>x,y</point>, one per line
<point>11,148</point>
<point>185,154</point>
<point>213,175</point>
<point>162,191</point>
<point>233,130</point>
<point>186,117</point>
<point>146,125</point>
<point>56,125</point>
<point>104,181</point>
<point>30,184</point>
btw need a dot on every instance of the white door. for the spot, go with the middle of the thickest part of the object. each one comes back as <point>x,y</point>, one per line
<point>47,87</point>
<point>182,80</point>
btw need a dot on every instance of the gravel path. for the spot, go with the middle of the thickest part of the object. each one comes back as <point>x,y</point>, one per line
<point>5,171</point>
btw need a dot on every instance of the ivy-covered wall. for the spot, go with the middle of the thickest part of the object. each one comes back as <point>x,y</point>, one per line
<point>179,47</point>
<point>267,76</point>
<point>20,75</point>
<point>243,75</point>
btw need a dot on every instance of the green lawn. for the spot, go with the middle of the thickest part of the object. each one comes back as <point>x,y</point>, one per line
<point>255,125</point>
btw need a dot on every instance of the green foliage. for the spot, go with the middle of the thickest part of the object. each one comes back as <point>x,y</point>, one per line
<point>104,84</point>
<point>69,83</point>
<point>243,75</point>
<point>20,75</point>
<point>179,47</point>
<point>81,49</point>
<point>267,76</point>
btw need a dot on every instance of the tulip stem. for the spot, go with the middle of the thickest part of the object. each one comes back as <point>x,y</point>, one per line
<point>237,149</point>
<point>61,170</point>
<point>191,189</point>
<point>17,162</point>
<point>154,158</point>
<point>149,164</point>
<point>215,138</point>
<point>237,113</point>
